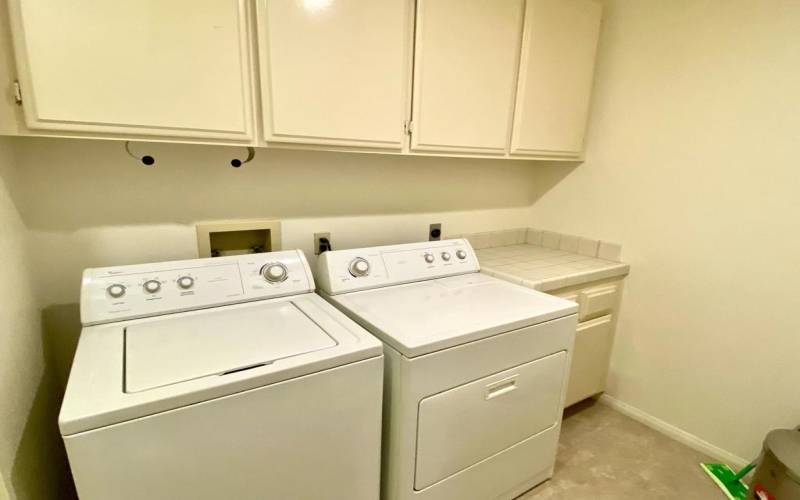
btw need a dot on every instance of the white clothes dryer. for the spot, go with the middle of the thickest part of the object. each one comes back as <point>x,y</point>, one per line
<point>475,373</point>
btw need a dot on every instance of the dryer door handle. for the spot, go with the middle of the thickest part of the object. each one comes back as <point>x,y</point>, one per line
<point>503,386</point>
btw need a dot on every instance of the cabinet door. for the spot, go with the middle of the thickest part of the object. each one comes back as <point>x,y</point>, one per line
<point>165,68</point>
<point>590,359</point>
<point>465,72</point>
<point>335,72</point>
<point>555,83</point>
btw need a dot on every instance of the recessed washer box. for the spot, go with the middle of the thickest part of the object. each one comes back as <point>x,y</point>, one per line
<point>220,238</point>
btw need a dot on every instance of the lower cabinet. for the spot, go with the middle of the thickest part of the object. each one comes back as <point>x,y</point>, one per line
<point>590,359</point>
<point>594,338</point>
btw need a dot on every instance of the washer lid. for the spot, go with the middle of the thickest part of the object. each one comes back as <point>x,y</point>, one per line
<point>107,365</point>
<point>172,350</point>
<point>427,316</point>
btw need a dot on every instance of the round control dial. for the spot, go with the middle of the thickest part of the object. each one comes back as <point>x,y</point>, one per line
<point>185,282</point>
<point>152,286</point>
<point>359,267</point>
<point>461,254</point>
<point>445,256</point>
<point>116,291</point>
<point>429,258</point>
<point>274,272</point>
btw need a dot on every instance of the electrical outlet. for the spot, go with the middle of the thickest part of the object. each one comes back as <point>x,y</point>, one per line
<point>322,243</point>
<point>435,232</point>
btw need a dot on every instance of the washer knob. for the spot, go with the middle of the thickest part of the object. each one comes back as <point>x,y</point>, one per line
<point>445,256</point>
<point>461,254</point>
<point>429,258</point>
<point>359,267</point>
<point>116,290</point>
<point>185,282</point>
<point>274,272</point>
<point>152,286</point>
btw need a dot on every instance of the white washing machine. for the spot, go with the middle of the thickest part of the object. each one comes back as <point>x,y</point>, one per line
<point>221,378</point>
<point>475,368</point>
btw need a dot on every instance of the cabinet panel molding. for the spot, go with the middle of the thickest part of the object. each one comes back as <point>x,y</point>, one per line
<point>335,73</point>
<point>136,67</point>
<point>556,73</point>
<point>465,73</point>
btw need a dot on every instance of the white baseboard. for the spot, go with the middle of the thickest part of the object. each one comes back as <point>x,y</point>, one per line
<point>675,433</point>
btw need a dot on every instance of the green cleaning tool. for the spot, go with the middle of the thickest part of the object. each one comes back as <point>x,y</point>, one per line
<point>730,482</point>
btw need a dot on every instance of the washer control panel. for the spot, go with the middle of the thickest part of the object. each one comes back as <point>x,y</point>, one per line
<point>127,292</point>
<point>343,271</point>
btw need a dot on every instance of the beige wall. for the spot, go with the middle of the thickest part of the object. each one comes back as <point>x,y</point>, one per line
<point>692,166</point>
<point>87,204</point>
<point>3,490</point>
<point>20,351</point>
<point>28,398</point>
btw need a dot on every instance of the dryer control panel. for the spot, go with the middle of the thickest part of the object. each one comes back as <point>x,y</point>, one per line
<point>344,271</point>
<point>127,292</point>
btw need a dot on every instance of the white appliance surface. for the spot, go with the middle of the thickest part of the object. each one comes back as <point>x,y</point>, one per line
<point>155,359</point>
<point>221,378</point>
<point>493,414</point>
<point>422,317</point>
<point>476,368</point>
<point>343,271</point>
<point>127,292</point>
<point>159,353</point>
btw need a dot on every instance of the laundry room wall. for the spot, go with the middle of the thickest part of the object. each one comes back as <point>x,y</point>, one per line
<point>692,167</point>
<point>28,393</point>
<point>87,204</point>
<point>3,490</point>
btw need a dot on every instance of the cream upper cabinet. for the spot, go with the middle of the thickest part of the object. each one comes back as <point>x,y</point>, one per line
<point>176,68</point>
<point>555,82</point>
<point>465,74</point>
<point>335,72</point>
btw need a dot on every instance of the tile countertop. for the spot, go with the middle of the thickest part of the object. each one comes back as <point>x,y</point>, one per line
<point>546,269</point>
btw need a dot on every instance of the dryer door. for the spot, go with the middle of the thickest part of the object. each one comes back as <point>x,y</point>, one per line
<point>467,424</point>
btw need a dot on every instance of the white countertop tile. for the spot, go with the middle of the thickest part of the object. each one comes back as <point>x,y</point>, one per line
<point>546,269</point>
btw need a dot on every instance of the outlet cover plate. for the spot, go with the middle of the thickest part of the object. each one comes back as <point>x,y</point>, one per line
<point>317,237</point>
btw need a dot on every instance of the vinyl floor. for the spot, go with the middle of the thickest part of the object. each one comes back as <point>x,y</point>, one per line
<point>604,455</point>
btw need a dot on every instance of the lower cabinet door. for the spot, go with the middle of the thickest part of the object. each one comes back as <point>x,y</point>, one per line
<point>464,425</point>
<point>590,359</point>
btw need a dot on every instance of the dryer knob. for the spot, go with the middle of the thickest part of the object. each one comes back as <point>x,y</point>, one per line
<point>359,267</point>
<point>429,258</point>
<point>116,291</point>
<point>185,282</point>
<point>152,286</point>
<point>274,272</point>
<point>445,256</point>
<point>461,254</point>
